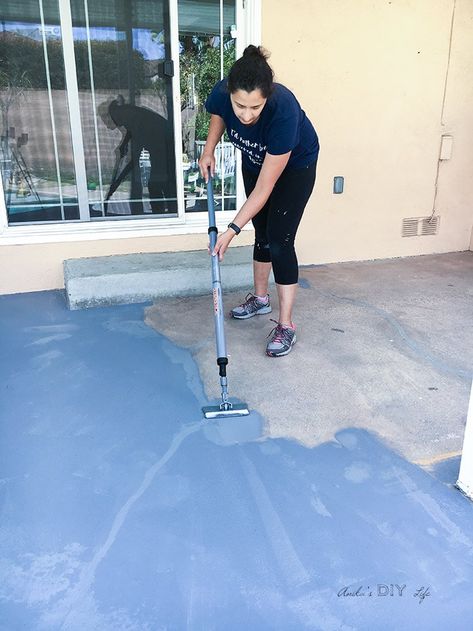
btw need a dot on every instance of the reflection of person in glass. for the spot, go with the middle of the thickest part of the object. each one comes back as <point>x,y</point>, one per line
<point>147,130</point>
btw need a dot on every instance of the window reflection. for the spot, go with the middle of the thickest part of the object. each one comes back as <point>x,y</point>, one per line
<point>126,106</point>
<point>145,133</point>
<point>35,149</point>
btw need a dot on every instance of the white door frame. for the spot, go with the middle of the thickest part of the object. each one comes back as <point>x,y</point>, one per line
<point>176,105</point>
<point>72,95</point>
<point>248,16</point>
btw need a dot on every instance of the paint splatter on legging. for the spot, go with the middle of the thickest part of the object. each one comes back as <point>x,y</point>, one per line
<point>277,222</point>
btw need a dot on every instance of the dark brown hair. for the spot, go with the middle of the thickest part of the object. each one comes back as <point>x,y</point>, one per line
<point>251,72</point>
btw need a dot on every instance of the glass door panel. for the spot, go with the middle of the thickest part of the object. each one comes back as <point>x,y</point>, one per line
<point>207,36</point>
<point>35,147</point>
<point>119,161</point>
<point>124,74</point>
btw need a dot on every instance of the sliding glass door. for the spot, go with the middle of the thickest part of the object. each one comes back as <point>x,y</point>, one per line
<point>94,122</point>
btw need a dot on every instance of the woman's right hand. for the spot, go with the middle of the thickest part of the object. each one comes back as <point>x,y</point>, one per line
<point>207,160</point>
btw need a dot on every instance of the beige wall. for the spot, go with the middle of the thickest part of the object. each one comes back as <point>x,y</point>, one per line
<point>39,267</point>
<point>372,77</point>
<point>377,79</point>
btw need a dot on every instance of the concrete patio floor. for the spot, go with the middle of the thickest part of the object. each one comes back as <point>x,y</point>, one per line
<point>331,507</point>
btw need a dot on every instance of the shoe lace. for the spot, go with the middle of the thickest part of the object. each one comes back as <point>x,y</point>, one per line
<point>250,300</point>
<point>280,333</point>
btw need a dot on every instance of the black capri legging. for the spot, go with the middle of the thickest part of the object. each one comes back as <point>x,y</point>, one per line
<point>277,222</point>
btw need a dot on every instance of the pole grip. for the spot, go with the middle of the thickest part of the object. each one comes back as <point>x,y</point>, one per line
<point>211,208</point>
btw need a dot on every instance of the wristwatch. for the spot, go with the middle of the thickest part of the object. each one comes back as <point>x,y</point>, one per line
<point>234,227</point>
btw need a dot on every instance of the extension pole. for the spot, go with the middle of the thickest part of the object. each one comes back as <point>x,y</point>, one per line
<point>222,359</point>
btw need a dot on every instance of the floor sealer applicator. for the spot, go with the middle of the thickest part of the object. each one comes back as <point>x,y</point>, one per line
<point>225,408</point>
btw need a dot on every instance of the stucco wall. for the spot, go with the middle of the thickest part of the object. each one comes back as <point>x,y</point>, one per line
<point>40,266</point>
<point>382,86</point>
<point>382,81</point>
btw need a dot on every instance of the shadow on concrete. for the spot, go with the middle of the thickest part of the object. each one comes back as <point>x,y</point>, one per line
<point>122,510</point>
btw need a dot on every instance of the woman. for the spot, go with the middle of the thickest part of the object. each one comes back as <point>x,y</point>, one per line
<point>279,149</point>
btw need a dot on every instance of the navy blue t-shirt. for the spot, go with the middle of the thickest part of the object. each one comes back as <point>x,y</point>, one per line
<point>282,126</point>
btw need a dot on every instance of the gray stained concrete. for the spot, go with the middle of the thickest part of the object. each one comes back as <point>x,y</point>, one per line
<point>385,346</point>
<point>122,510</point>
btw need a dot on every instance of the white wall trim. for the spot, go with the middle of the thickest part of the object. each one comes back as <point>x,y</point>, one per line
<point>251,14</point>
<point>465,476</point>
<point>248,18</point>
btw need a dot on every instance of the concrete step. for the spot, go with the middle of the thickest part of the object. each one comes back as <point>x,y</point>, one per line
<point>128,278</point>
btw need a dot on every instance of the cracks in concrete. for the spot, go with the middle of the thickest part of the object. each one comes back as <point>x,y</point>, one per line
<point>421,352</point>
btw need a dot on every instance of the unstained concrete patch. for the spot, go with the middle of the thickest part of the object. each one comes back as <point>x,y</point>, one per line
<point>381,345</point>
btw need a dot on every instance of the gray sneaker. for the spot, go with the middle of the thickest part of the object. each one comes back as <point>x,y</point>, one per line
<point>251,307</point>
<point>282,340</point>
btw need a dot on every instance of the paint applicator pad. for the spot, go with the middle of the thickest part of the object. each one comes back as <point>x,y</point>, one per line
<point>234,431</point>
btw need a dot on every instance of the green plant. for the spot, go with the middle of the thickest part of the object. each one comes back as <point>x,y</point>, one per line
<point>199,72</point>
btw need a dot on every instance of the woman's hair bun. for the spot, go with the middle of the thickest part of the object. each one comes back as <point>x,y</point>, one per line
<point>251,72</point>
<point>255,51</point>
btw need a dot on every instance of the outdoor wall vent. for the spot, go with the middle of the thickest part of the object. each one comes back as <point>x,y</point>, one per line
<point>420,226</point>
<point>429,226</point>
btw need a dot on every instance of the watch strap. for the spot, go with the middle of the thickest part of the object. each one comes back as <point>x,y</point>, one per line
<point>234,227</point>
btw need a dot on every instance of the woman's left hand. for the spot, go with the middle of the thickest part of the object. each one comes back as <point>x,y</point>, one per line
<point>223,241</point>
